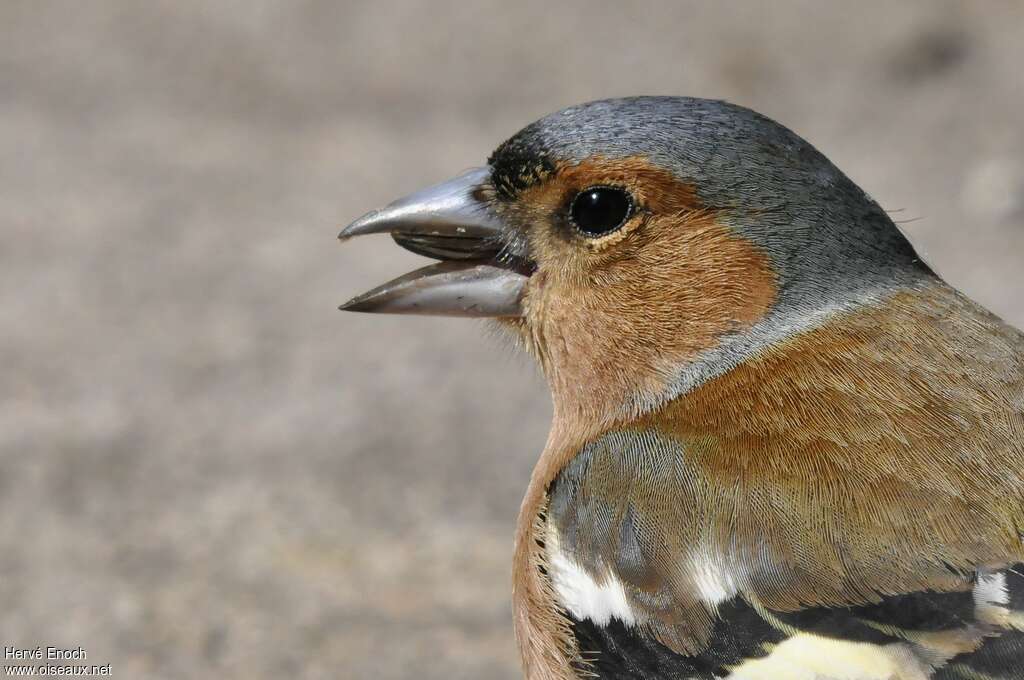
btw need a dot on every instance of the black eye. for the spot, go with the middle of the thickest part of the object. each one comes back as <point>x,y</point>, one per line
<point>599,210</point>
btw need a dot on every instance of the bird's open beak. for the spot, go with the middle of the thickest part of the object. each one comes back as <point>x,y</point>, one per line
<point>451,222</point>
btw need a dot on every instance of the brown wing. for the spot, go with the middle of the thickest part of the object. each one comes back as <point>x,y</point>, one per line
<point>875,459</point>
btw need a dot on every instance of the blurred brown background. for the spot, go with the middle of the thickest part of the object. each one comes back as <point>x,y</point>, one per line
<point>209,471</point>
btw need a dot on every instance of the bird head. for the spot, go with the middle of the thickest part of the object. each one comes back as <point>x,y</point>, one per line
<point>643,246</point>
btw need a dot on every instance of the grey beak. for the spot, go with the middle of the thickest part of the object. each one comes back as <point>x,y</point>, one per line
<point>450,222</point>
<point>446,289</point>
<point>449,209</point>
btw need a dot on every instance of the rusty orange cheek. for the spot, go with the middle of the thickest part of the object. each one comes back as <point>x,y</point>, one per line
<point>632,319</point>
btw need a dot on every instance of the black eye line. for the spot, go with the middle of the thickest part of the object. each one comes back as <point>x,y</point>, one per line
<point>631,211</point>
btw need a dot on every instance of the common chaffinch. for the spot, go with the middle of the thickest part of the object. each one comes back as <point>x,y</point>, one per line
<point>782,446</point>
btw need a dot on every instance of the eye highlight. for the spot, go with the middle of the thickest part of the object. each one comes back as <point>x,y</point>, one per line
<point>599,210</point>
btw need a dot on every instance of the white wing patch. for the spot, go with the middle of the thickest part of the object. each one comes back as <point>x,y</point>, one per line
<point>581,595</point>
<point>713,583</point>
<point>991,597</point>
<point>603,599</point>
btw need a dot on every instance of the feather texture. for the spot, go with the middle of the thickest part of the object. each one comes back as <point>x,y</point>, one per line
<point>853,496</point>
